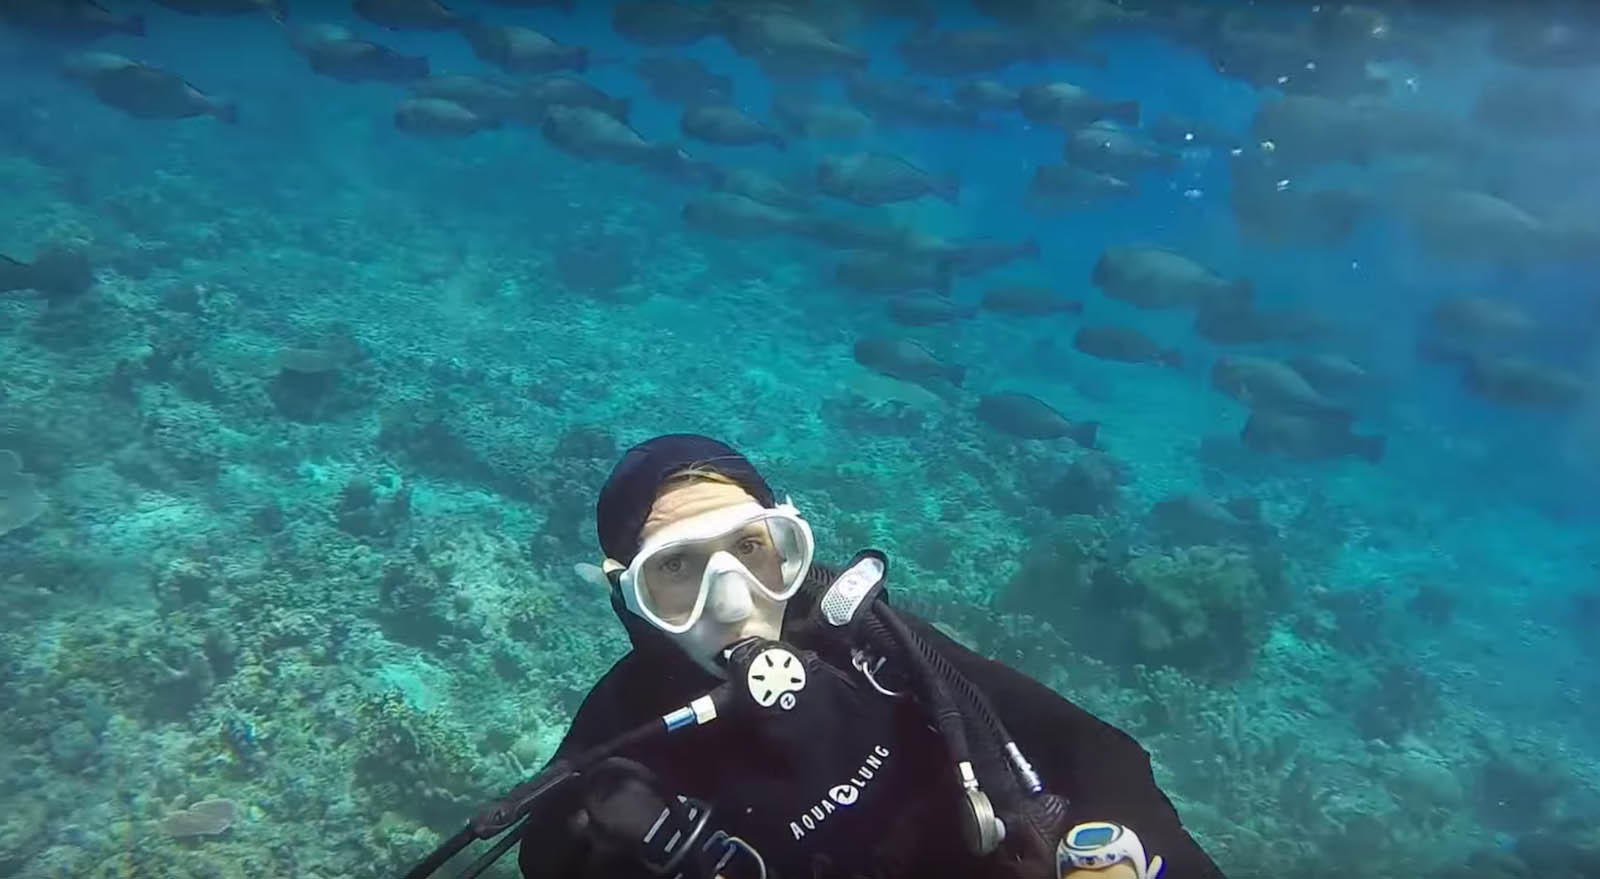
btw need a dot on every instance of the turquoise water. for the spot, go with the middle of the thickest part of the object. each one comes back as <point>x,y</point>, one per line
<point>341,595</point>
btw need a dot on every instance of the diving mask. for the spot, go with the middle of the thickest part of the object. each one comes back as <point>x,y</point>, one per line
<point>683,565</point>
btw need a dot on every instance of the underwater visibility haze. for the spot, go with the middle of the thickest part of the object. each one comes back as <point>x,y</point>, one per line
<point>1231,368</point>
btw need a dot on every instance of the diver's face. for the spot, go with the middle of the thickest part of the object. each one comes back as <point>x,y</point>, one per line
<point>727,619</point>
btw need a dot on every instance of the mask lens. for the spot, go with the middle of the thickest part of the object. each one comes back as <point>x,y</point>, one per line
<point>771,548</point>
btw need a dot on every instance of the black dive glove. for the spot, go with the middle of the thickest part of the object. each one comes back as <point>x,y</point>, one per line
<point>582,832</point>
<point>628,824</point>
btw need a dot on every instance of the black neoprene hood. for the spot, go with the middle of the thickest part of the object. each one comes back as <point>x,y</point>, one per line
<point>630,490</point>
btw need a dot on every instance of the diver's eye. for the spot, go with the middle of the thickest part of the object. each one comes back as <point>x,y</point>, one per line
<point>672,564</point>
<point>750,546</point>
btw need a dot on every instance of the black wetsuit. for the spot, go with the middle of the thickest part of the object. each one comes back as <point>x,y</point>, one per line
<point>871,793</point>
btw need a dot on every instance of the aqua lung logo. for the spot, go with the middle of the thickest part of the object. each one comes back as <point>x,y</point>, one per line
<point>840,795</point>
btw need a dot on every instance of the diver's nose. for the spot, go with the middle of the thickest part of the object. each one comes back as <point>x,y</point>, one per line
<point>729,600</point>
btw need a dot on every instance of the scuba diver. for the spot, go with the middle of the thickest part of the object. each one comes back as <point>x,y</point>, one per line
<point>777,718</point>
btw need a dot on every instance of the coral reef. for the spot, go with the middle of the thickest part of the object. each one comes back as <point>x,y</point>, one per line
<point>1204,609</point>
<point>1201,608</point>
<point>423,762</point>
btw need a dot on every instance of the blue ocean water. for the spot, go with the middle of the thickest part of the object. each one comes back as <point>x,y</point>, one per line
<point>301,479</point>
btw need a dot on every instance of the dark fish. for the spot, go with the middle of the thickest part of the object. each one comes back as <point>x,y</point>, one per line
<point>144,92</point>
<point>593,134</point>
<point>1420,130</point>
<point>893,100</point>
<point>805,116</point>
<point>906,360</point>
<point>967,52</point>
<point>1468,224</point>
<point>1308,130</point>
<point>734,216</point>
<point>680,167</point>
<point>974,254</point>
<point>1574,233</point>
<point>1344,79</point>
<point>849,234</point>
<point>1261,55</point>
<point>427,15</point>
<point>1018,13</point>
<point>1530,109</point>
<point>1108,149</point>
<point>1054,183</point>
<point>1197,520</point>
<point>1331,374</point>
<point>1261,52</point>
<point>566,6</point>
<point>783,70</point>
<point>1309,437</point>
<point>1446,352</point>
<point>986,94</point>
<point>1232,322</point>
<point>873,179</point>
<point>1540,41</point>
<point>1246,509</point>
<point>517,49</point>
<point>275,8</point>
<point>482,96</point>
<point>1351,27</point>
<point>69,19</point>
<point>683,80</point>
<point>56,272</point>
<point>762,186</point>
<point>1269,210</point>
<point>663,23</point>
<point>1480,321</point>
<point>892,273</point>
<point>437,117</point>
<point>920,312</point>
<point>304,36</point>
<point>1028,417</point>
<point>774,35</point>
<point>920,12</point>
<point>1091,485</point>
<point>1265,384</point>
<point>1180,132</point>
<point>350,60</point>
<point>1517,381</point>
<point>728,126</point>
<point>15,275</point>
<point>1370,32</point>
<point>1064,19</point>
<point>974,257</point>
<point>1124,345</point>
<point>1029,300</point>
<point>1072,106</point>
<point>549,91</point>
<point>1150,277</point>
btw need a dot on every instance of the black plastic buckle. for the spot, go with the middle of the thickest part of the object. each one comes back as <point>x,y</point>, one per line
<point>674,848</point>
<point>729,865</point>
